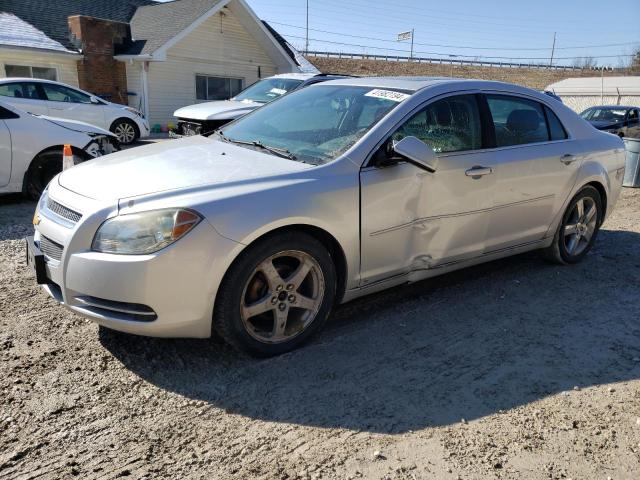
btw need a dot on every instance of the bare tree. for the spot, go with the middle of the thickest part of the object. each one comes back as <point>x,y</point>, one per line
<point>585,62</point>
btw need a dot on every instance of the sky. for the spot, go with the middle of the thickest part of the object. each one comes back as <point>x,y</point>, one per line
<point>468,30</point>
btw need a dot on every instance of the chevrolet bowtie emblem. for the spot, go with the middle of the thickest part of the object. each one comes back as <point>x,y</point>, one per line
<point>36,219</point>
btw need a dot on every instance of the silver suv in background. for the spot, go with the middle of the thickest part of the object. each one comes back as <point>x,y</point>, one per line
<point>209,116</point>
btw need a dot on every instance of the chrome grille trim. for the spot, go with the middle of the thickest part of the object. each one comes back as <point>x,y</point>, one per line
<point>50,248</point>
<point>62,211</point>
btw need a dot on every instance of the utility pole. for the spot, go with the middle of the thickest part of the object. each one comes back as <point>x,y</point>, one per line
<point>553,48</point>
<point>306,48</point>
<point>411,55</point>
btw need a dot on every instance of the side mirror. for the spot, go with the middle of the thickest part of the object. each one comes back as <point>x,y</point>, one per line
<point>417,152</point>
<point>94,100</point>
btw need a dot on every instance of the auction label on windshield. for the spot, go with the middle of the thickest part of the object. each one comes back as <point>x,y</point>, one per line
<point>278,91</point>
<point>387,94</point>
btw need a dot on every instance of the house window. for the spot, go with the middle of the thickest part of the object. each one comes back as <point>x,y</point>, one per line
<point>217,88</point>
<point>45,73</point>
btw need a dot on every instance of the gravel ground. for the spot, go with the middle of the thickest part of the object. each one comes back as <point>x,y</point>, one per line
<point>514,369</point>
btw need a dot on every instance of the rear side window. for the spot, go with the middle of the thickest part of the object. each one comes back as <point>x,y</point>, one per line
<point>20,90</point>
<point>517,121</point>
<point>556,130</point>
<point>448,125</point>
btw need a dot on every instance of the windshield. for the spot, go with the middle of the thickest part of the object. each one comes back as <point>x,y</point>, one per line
<point>268,89</point>
<point>315,124</point>
<point>613,115</point>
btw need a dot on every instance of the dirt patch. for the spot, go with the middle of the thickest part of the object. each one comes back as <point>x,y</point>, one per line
<point>513,369</point>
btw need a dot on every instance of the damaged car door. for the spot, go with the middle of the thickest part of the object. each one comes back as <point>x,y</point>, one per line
<point>415,219</point>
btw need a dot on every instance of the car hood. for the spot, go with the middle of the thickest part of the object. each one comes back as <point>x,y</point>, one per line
<point>220,110</point>
<point>76,125</point>
<point>172,165</point>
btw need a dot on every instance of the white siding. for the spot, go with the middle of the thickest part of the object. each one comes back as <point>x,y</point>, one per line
<point>134,84</point>
<point>67,66</point>
<point>219,47</point>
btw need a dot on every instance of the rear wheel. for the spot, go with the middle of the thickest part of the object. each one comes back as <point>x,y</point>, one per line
<point>579,227</point>
<point>276,295</point>
<point>126,131</point>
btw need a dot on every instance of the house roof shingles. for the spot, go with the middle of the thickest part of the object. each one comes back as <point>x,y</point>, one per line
<point>51,16</point>
<point>15,32</point>
<point>154,25</point>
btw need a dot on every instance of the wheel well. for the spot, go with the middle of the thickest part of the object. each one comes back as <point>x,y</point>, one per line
<point>329,242</point>
<point>603,195</point>
<point>56,148</point>
<point>135,125</point>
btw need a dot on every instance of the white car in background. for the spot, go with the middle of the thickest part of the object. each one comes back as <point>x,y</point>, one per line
<point>45,97</point>
<point>209,116</point>
<point>31,148</point>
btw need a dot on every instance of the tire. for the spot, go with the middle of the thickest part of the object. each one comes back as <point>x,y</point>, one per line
<point>42,169</point>
<point>126,130</point>
<point>253,298</point>
<point>577,232</point>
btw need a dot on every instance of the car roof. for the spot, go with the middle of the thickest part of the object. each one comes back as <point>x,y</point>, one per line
<point>27,79</point>
<point>414,84</point>
<point>616,107</point>
<point>309,76</point>
<point>295,76</point>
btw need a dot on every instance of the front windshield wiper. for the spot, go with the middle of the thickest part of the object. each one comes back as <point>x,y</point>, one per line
<point>281,152</point>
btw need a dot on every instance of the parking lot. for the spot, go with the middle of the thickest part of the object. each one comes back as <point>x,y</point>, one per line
<point>513,369</point>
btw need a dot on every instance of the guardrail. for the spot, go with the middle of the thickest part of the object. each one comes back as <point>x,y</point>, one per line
<point>447,61</point>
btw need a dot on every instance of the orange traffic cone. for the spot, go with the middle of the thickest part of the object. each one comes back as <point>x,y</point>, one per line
<point>67,157</point>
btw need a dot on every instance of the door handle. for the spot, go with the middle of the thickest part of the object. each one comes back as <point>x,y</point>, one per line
<point>568,158</point>
<point>478,171</point>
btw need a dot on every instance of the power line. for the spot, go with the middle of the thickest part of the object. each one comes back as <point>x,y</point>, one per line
<point>409,17</point>
<point>454,46</point>
<point>331,18</point>
<point>447,54</point>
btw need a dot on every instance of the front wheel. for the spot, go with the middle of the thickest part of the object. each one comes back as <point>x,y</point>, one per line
<point>277,294</point>
<point>126,131</point>
<point>579,227</point>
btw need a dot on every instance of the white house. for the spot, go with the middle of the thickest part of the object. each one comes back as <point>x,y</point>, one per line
<point>583,92</point>
<point>154,56</point>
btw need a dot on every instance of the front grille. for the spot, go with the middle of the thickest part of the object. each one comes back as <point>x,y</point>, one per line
<point>63,211</point>
<point>50,248</point>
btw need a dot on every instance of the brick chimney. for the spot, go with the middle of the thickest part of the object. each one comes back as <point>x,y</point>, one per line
<point>98,72</point>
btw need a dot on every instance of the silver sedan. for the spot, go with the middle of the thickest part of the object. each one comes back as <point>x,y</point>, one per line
<point>333,192</point>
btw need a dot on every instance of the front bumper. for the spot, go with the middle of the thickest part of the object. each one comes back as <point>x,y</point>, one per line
<point>143,126</point>
<point>166,294</point>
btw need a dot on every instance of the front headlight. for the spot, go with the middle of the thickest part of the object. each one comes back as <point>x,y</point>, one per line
<point>145,232</point>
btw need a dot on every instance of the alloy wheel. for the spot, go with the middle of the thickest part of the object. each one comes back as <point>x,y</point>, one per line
<point>282,296</point>
<point>580,226</point>
<point>125,133</point>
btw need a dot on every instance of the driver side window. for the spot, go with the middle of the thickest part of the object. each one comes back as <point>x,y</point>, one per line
<point>448,125</point>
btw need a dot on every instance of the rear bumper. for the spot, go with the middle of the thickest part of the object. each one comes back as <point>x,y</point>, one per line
<point>169,293</point>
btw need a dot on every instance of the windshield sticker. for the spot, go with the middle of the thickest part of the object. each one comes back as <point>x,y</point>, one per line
<point>387,95</point>
<point>278,91</point>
